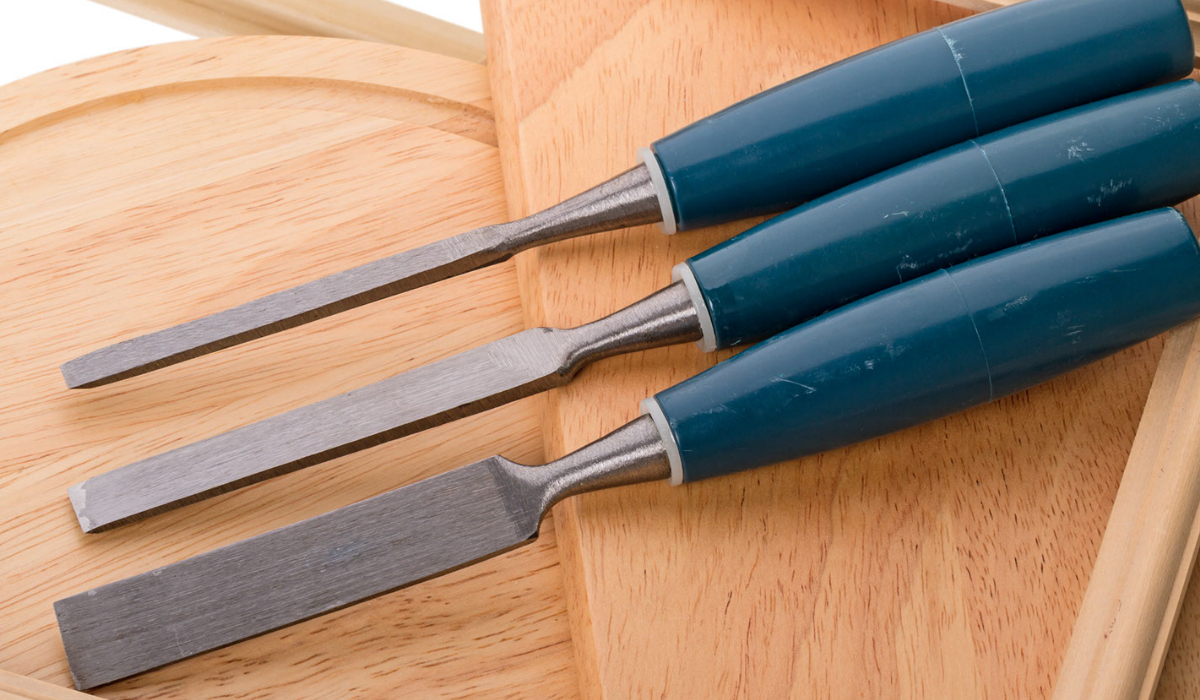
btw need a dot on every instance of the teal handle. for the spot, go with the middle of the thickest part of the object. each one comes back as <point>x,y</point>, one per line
<point>1089,164</point>
<point>914,96</point>
<point>939,344</point>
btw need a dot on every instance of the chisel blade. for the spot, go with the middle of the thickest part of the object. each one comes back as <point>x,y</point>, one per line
<point>461,385</point>
<point>300,571</point>
<point>286,309</point>
<point>629,199</point>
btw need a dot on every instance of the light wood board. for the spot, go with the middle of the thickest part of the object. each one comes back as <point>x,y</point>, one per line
<point>146,188</point>
<point>1125,623</point>
<point>14,687</point>
<point>944,561</point>
<point>366,20</point>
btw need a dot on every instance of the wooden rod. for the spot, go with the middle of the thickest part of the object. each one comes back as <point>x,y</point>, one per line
<point>367,20</point>
<point>14,687</point>
<point>1192,7</point>
<point>1133,599</point>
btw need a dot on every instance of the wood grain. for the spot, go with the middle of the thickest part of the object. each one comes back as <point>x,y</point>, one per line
<point>150,187</point>
<point>1129,610</point>
<point>366,20</point>
<point>14,687</point>
<point>944,561</point>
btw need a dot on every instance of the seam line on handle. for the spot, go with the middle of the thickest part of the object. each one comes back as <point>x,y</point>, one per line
<point>1012,224</point>
<point>975,327</point>
<point>951,44</point>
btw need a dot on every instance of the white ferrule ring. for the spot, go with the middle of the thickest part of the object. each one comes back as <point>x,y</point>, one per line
<point>659,180</point>
<point>650,407</point>
<point>708,333</point>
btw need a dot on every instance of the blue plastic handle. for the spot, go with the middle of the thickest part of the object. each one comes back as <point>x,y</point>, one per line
<point>939,344</point>
<point>903,100</point>
<point>1097,162</point>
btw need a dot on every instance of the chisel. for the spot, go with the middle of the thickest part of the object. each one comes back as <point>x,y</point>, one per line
<point>766,154</point>
<point>1092,163</point>
<point>941,343</point>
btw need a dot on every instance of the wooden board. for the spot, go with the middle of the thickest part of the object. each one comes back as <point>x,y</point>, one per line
<point>150,187</point>
<point>14,687</point>
<point>945,561</point>
<point>366,20</point>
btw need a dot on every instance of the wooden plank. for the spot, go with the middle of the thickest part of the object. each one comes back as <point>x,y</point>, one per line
<point>1137,587</point>
<point>1192,7</point>
<point>945,561</point>
<point>150,187</point>
<point>367,20</point>
<point>14,687</point>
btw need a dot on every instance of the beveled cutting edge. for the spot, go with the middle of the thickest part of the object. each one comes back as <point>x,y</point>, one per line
<point>337,559</point>
<point>629,199</point>
<point>476,380</point>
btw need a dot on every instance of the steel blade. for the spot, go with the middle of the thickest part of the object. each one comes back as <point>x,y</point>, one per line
<point>299,571</point>
<point>473,381</point>
<point>629,199</point>
<point>286,309</point>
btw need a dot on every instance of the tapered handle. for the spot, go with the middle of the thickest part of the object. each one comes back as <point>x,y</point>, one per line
<point>887,106</point>
<point>939,344</point>
<point>1089,164</point>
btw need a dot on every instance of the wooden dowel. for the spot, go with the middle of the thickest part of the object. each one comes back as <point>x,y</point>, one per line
<point>14,687</point>
<point>1132,601</point>
<point>367,20</point>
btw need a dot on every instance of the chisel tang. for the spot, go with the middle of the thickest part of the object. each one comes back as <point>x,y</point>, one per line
<point>934,346</point>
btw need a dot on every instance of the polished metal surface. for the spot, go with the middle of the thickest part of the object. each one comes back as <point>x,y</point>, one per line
<point>458,386</point>
<point>628,199</point>
<point>337,559</point>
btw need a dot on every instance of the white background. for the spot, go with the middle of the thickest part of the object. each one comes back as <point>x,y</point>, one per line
<point>39,34</point>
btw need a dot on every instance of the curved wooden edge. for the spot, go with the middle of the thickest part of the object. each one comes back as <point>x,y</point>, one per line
<point>14,687</point>
<point>498,626</point>
<point>369,20</point>
<point>240,58</point>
